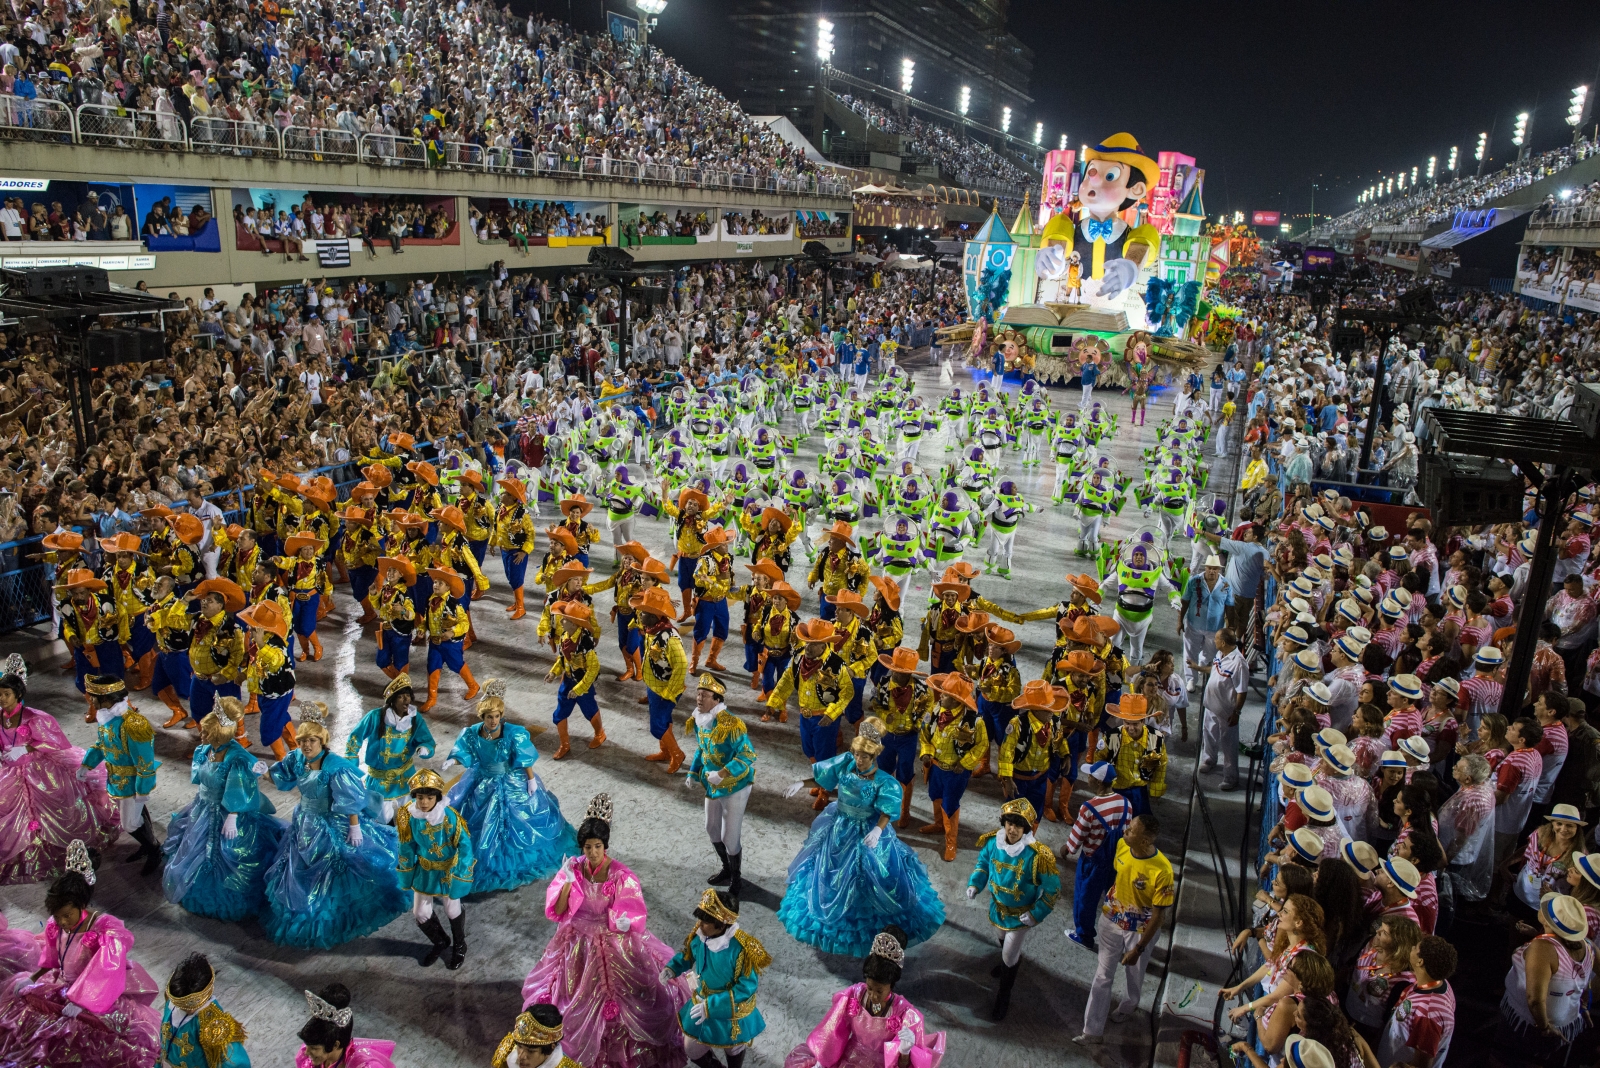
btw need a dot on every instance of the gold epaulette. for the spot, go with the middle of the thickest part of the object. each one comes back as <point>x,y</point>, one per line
<point>136,728</point>
<point>218,1031</point>
<point>755,957</point>
<point>982,838</point>
<point>1044,859</point>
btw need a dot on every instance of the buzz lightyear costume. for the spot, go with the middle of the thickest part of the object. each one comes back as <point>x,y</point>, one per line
<point>954,409</point>
<point>912,424</point>
<point>1005,516</point>
<point>899,553</point>
<point>1036,425</point>
<point>1136,581</point>
<point>623,498</point>
<point>799,494</point>
<point>951,527</point>
<point>1095,498</point>
<point>1174,494</point>
<point>803,398</point>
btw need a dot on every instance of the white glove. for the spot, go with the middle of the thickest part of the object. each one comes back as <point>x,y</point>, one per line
<point>906,1038</point>
<point>697,1011</point>
<point>450,762</point>
<point>1027,919</point>
<point>666,977</point>
<point>794,788</point>
<point>230,826</point>
<point>390,807</point>
<point>423,752</point>
<point>714,777</point>
<point>871,840</point>
<point>972,892</point>
<point>355,836</point>
<point>16,752</point>
<point>69,1010</point>
<point>82,773</point>
<point>1052,264</point>
<point>259,768</point>
<point>533,787</point>
<point>1119,274</point>
<point>624,923</point>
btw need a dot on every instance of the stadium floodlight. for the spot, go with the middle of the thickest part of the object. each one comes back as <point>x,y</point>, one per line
<point>1238,217</point>
<point>966,99</point>
<point>1402,177</point>
<point>1519,133</point>
<point>1063,142</point>
<point>1580,96</point>
<point>1483,147</point>
<point>1005,119</point>
<point>1391,186</point>
<point>908,74</point>
<point>1038,133</point>
<point>824,40</point>
<point>1432,162</point>
<point>651,7</point>
<point>1564,194</point>
<point>1413,176</point>
<point>1451,164</point>
<point>1286,227</point>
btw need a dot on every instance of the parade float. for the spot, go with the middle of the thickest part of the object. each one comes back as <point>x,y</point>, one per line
<point>1111,268</point>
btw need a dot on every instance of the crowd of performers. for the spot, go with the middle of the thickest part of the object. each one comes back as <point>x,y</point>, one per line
<point>212,620</point>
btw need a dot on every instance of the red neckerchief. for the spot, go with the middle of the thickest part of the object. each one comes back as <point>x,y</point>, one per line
<point>808,667</point>
<point>203,629</point>
<point>90,610</point>
<point>901,695</point>
<point>993,667</point>
<point>304,569</point>
<point>948,616</point>
<point>124,577</point>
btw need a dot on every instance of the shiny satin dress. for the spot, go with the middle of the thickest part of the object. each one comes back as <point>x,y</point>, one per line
<point>360,1053</point>
<point>206,872</point>
<point>19,950</point>
<point>117,1027</point>
<point>518,832</point>
<point>43,805</point>
<point>851,1037</point>
<point>602,970</point>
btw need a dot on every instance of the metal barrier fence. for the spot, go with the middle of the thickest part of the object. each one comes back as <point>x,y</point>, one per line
<point>36,120</point>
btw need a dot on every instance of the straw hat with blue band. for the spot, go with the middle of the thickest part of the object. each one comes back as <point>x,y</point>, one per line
<point>1298,636</point>
<point>1341,758</point>
<point>1307,843</point>
<point>1567,814</point>
<point>1316,803</point>
<point>1352,644</point>
<point>1350,610</point>
<point>1407,686</point>
<point>1489,658</point>
<point>1588,865</point>
<point>1301,1052</point>
<point>1319,692</point>
<point>1328,737</point>
<point>1297,775</point>
<point>1392,758</point>
<point>1565,916</point>
<point>1403,874</point>
<point>1415,748</point>
<point>1359,855</point>
<point>1307,660</point>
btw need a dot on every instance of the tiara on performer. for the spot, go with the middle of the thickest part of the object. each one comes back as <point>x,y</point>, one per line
<point>229,710</point>
<point>599,808</point>
<point>888,947</point>
<point>78,860</point>
<point>15,665</point>
<point>313,712</point>
<point>321,1010</point>
<point>494,688</point>
<point>530,1032</point>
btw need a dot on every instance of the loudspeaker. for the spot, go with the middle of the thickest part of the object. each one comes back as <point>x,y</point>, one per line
<point>816,250</point>
<point>648,296</point>
<point>111,348</point>
<point>37,283</point>
<point>1347,339</point>
<point>1468,490</point>
<point>608,258</point>
<point>1586,409</point>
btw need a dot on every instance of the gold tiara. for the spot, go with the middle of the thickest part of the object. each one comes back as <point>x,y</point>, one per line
<point>1022,807</point>
<point>530,1032</point>
<point>192,1003</point>
<point>712,906</point>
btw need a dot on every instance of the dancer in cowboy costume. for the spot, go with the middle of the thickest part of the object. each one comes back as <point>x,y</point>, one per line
<point>515,532</point>
<point>397,614</point>
<point>665,670</point>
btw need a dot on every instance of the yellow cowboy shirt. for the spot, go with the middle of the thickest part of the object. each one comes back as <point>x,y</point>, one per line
<point>692,529</point>
<point>954,746</point>
<point>446,620</point>
<point>665,665</point>
<point>514,529</point>
<point>838,569</point>
<point>713,576</point>
<point>824,688</point>
<point>1030,755</point>
<point>999,680</point>
<point>479,516</point>
<point>1139,762</point>
<point>218,648</point>
<point>901,706</point>
<point>169,621</point>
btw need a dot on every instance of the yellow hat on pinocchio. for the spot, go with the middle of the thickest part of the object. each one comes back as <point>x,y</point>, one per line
<point>710,682</point>
<point>1124,148</point>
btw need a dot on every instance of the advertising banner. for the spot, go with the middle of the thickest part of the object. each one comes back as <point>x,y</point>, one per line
<point>1265,218</point>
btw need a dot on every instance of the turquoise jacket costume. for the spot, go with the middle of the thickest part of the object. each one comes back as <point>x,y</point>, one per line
<point>728,978</point>
<point>126,744</point>
<point>207,872</point>
<point>841,893</point>
<point>726,748</point>
<point>436,859</point>
<point>209,1039</point>
<point>1027,884</point>
<point>388,752</point>
<point>518,832</point>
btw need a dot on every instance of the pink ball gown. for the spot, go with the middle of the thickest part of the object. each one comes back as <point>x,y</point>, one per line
<point>361,1053</point>
<point>117,1028</point>
<point>602,970</point>
<point>850,1037</point>
<point>43,806</point>
<point>19,950</point>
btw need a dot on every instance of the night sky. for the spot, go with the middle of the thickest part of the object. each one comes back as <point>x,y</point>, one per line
<point>1269,98</point>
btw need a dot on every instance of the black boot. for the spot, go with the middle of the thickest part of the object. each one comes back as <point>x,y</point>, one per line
<point>708,1060</point>
<point>735,1060</point>
<point>735,865</point>
<point>148,847</point>
<point>441,941</point>
<point>1002,997</point>
<point>458,935</point>
<point>725,874</point>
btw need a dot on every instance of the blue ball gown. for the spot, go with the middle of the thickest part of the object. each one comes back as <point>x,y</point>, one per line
<point>322,891</point>
<point>207,874</point>
<point>518,836</point>
<point>841,894</point>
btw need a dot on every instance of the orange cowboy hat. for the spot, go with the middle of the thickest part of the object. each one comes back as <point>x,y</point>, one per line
<point>188,528</point>
<point>634,551</point>
<point>408,571</point>
<point>717,537</point>
<point>566,573</point>
<point>1134,706</point>
<point>776,515</point>
<point>126,542</point>
<point>1083,632</point>
<point>765,567</point>
<point>300,540</point>
<point>515,487</point>
<point>1086,585</point>
<point>652,568</point>
<point>576,611</point>
<point>888,590</point>
<point>576,503</point>
<point>268,616</point>
<point>356,514</point>
<point>1104,624</point>
<point>235,531</point>
<point>655,601</point>
<point>850,601</point>
<point>363,489</point>
<point>1040,694</point>
<point>425,471</point>
<point>841,530</point>
<point>233,598</point>
<point>322,491</point>
<point>452,517</point>
<point>972,622</point>
<point>1003,637</point>
<point>790,595</point>
<point>962,591</point>
<point>157,511</point>
<point>1080,662</point>
<point>901,659</point>
<point>565,537</point>
<point>816,630</point>
<point>408,520</point>
<point>960,571</point>
<point>379,475</point>
<point>81,578</point>
<point>64,541</point>
<point>402,440</point>
<point>954,685</point>
<point>471,477</point>
<point>449,576</point>
<point>288,482</point>
<point>693,495</point>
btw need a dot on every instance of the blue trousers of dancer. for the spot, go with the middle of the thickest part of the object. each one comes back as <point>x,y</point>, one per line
<point>394,651</point>
<point>710,620</point>
<point>109,656</point>
<point>1096,871</point>
<point>997,716</point>
<point>773,671</point>
<point>479,550</point>
<point>172,669</point>
<point>565,703</point>
<point>274,716</point>
<point>828,609</point>
<point>446,655</point>
<point>516,570</point>
<point>1138,797</point>
<point>899,756</point>
<point>361,579</point>
<point>203,696</point>
<point>1033,789</point>
<point>947,787</point>
<point>686,569</point>
<point>629,639</point>
<point>305,614</point>
<point>660,714</point>
<point>819,737</point>
<point>854,710</point>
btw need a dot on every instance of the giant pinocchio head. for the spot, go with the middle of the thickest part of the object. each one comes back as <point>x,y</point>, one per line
<point>1117,176</point>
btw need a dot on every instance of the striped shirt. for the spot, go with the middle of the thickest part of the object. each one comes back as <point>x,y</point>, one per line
<point>1401,723</point>
<point>1424,1021</point>
<point>1088,832</point>
<point>1481,695</point>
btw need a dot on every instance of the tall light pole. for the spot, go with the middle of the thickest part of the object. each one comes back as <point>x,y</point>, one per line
<point>1483,150</point>
<point>1451,166</point>
<point>648,10</point>
<point>1519,134</point>
<point>1578,111</point>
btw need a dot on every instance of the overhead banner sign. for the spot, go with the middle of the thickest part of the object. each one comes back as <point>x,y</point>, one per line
<point>910,214</point>
<point>1265,218</point>
<point>623,28</point>
<point>24,185</point>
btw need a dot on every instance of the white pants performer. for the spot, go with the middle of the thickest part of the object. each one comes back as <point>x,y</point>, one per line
<point>908,449</point>
<point>210,559</point>
<point>622,530</point>
<point>1089,532</point>
<point>807,417</point>
<point>1131,638</point>
<point>1088,395</point>
<point>1000,546</point>
<point>1222,438</point>
<point>1217,739</point>
<point>422,906</point>
<point>1114,942</point>
<point>1199,648</point>
<point>1030,446</point>
<point>1011,946</point>
<point>130,811</point>
<point>725,818</point>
